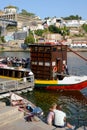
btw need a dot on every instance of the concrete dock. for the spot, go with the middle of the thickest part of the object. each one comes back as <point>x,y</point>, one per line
<point>12,119</point>
<point>11,84</point>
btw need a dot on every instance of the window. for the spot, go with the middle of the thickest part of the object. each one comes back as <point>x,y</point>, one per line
<point>47,63</point>
<point>47,49</point>
<point>40,63</point>
<point>53,63</point>
<point>54,48</point>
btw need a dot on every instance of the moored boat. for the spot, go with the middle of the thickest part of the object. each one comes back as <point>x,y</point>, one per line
<point>67,83</point>
<point>16,78</point>
<point>49,65</point>
<point>17,71</point>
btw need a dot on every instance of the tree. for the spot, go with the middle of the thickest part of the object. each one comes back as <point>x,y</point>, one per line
<point>54,29</point>
<point>24,12</point>
<point>39,32</point>
<point>84,26</point>
<point>2,39</point>
<point>29,39</point>
<point>72,17</point>
<point>65,31</point>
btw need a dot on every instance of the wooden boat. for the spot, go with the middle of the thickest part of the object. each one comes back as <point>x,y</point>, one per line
<point>67,83</point>
<point>24,105</point>
<point>14,67</point>
<point>14,72</point>
<point>49,65</point>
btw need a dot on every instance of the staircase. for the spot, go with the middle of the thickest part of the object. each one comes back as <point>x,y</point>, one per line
<point>9,114</point>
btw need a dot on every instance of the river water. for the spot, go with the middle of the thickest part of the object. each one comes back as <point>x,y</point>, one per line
<point>74,103</point>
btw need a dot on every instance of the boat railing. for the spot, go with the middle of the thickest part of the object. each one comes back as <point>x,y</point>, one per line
<point>18,84</point>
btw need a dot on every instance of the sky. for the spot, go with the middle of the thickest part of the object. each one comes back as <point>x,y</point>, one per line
<point>50,8</point>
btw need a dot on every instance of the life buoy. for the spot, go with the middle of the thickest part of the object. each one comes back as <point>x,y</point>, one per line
<point>55,69</point>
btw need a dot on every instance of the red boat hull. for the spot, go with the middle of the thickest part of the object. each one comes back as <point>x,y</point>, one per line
<point>49,86</point>
<point>78,86</point>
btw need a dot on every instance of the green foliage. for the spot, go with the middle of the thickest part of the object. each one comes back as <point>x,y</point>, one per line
<point>2,48</point>
<point>72,17</point>
<point>10,6</point>
<point>39,32</point>
<point>24,12</point>
<point>10,27</point>
<point>29,39</point>
<point>2,39</point>
<point>84,26</point>
<point>65,31</point>
<point>54,29</point>
<point>0,30</point>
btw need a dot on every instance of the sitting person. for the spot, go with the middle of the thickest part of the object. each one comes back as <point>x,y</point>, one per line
<point>50,117</point>
<point>57,117</point>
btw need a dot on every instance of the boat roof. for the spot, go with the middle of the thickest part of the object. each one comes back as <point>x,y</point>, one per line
<point>47,44</point>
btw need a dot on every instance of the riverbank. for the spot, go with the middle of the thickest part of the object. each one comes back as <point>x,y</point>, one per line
<point>77,49</point>
<point>14,49</point>
<point>12,119</point>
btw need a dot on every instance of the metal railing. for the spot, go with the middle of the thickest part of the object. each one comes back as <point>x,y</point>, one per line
<point>14,85</point>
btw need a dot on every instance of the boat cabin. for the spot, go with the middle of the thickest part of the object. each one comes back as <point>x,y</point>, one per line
<point>48,60</point>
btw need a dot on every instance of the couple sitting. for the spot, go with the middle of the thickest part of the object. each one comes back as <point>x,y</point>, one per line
<point>58,117</point>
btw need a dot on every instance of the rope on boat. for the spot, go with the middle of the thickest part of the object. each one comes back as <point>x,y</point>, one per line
<point>78,54</point>
<point>75,53</point>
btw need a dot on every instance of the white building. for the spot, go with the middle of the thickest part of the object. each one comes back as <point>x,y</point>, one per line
<point>10,9</point>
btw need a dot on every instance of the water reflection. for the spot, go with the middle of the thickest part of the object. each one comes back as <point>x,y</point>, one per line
<point>77,65</point>
<point>72,102</point>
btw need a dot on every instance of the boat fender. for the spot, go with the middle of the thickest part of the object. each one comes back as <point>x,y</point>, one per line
<point>55,69</point>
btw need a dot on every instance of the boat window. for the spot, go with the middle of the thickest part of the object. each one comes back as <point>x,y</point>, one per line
<point>47,49</point>
<point>53,63</point>
<point>54,48</point>
<point>41,49</point>
<point>47,63</point>
<point>36,49</point>
<point>63,47</point>
<point>59,48</point>
<point>40,63</point>
<point>34,63</point>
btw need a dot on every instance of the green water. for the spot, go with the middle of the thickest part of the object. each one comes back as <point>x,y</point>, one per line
<point>72,102</point>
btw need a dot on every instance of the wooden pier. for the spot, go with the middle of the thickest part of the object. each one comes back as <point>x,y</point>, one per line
<point>19,85</point>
